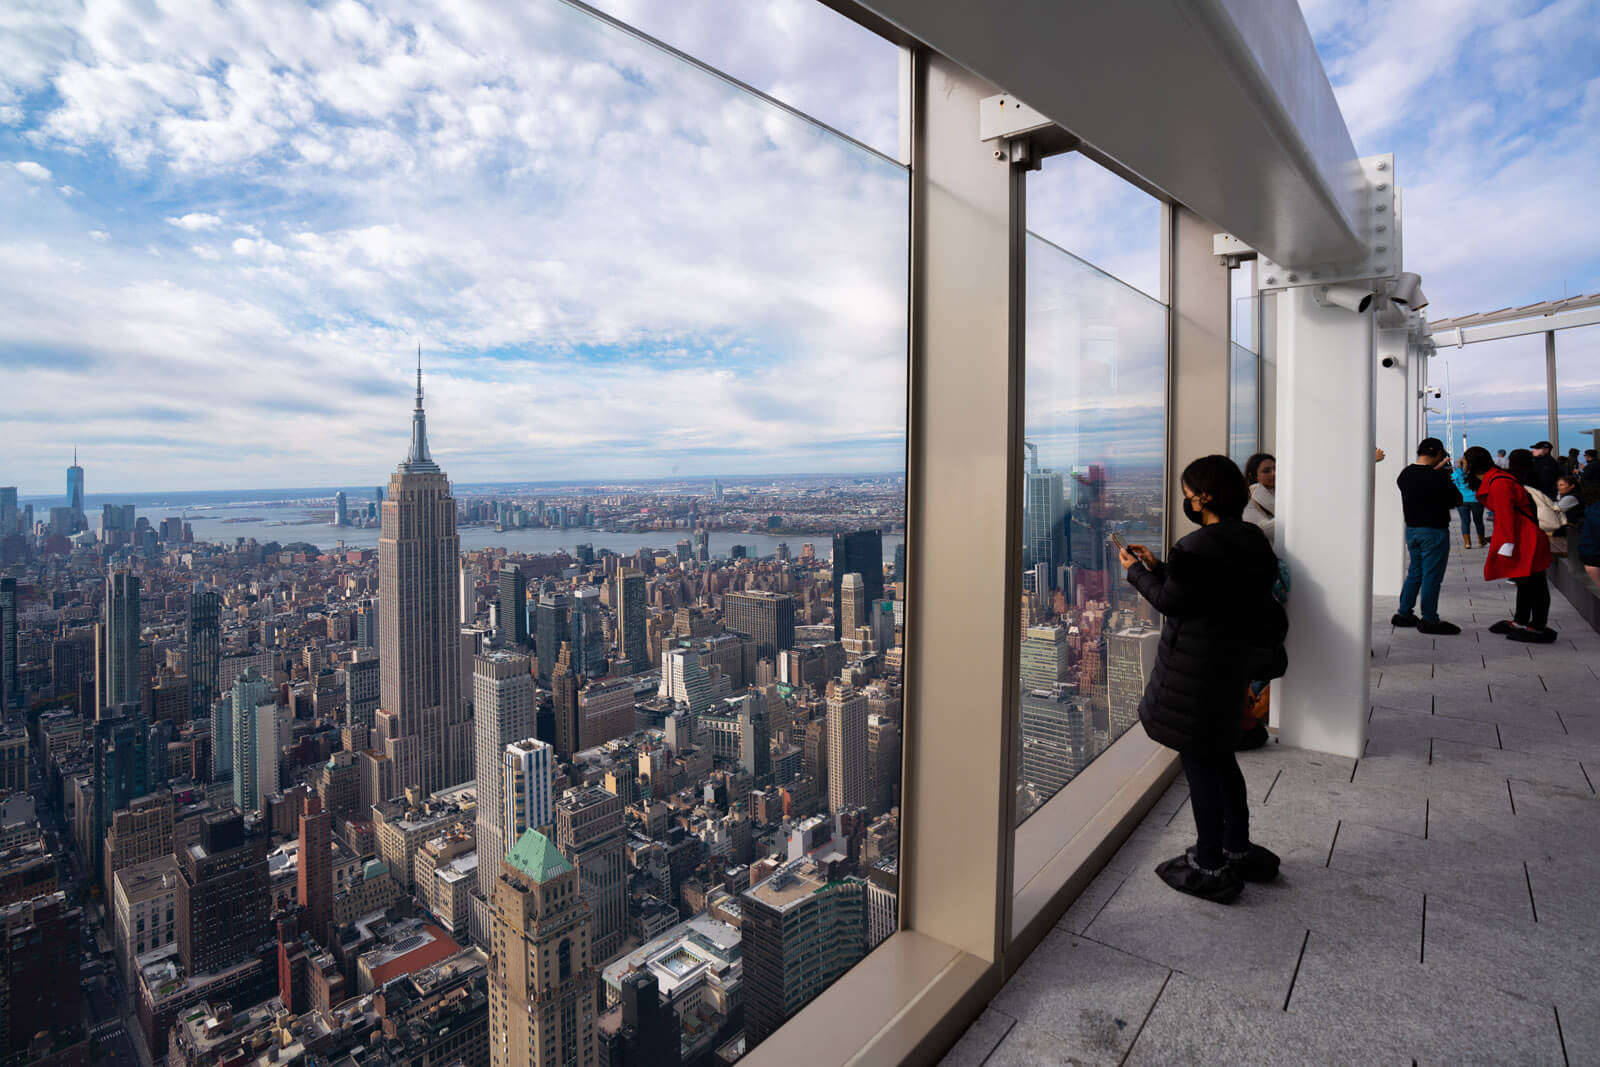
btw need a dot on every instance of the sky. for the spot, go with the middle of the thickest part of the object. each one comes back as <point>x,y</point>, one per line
<point>223,235</point>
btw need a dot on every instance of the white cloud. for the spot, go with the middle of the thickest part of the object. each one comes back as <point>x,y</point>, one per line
<point>29,169</point>
<point>100,235</point>
<point>67,190</point>
<point>195,220</point>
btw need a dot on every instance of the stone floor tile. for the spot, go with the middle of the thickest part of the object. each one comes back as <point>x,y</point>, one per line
<point>1520,957</point>
<point>1434,867</point>
<point>1579,1019</point>
<point>1403,811</point>
<point>1453,759</point>
<point>979,1040</point>
<point>1398,692</point>
<point>1090,996</point>
<point>1385,722</point>
<point>1231,945</point>
<point>1564,895</point>
<point>1583,745</point>
<point>1535,718</point>
<point>1434,1018</point>
<point>1094,896</point>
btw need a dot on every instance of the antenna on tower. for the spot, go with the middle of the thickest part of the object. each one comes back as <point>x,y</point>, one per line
<point>419,374</point>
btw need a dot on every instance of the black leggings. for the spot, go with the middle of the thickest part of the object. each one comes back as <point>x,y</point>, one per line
<point>1533,601</point>
<point>1221,810</point>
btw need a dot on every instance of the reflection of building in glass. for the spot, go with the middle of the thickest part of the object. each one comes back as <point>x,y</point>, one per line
<point>1044,657</point>
<point>1045,520</point>
<point>1130,654</point>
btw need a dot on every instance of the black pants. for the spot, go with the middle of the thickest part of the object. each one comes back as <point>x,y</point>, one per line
<point>1533,601</point>
<point>1221,811</point>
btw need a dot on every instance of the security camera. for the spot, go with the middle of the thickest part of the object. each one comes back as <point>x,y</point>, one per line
<point>1408,292</point>
<point>1350,297</point>
<point>1437,394</point>
<point>1388,361</point>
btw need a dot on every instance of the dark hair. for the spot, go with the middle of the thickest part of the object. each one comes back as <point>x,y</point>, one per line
<point>1479,462</point>
<point>1431,447</point>
<point>1218,477</point>
<point>1252,466</point>
<point>1591,453</point>
<point>1546,445</point>
<point>1520,465</point>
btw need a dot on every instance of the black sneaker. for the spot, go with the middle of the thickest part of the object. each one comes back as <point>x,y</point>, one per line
<point>1220,886</point>
<point>1502,627</point>
<point>1527,635</point>
<point>1404,618</point>
<point>1258,865</point>
<point>1438,627</point>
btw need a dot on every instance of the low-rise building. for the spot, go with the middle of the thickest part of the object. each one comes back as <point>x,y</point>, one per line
<point>144,899</point>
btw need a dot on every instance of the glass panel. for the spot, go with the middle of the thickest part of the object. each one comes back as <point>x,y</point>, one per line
<point>1492,394</point>
<point>1578,387</point>
<point>1076,203</point>
<point>1244,378</point>
<point>652,464</point>
<point>1095,412</point>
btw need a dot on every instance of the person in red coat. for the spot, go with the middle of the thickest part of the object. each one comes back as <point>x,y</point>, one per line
<point>1518,549</point>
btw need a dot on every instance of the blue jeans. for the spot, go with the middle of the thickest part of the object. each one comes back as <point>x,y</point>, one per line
<point>1430,551</point>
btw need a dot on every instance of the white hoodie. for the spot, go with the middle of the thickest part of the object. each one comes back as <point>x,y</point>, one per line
<point>1262,509</point>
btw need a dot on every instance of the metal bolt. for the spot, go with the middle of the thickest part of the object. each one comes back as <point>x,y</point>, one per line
<point>1383,166</point>
<point>1380,248</point>
<point>1382,186</point>
<point>1380,208</point>
<point>1271,280</point>
<point>1381,267</point>
<point>1294,277</point>
<point>1315,275</point>
<point>1380,228</point>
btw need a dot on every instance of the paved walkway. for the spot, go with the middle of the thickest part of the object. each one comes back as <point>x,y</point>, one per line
<point>1438,902</point>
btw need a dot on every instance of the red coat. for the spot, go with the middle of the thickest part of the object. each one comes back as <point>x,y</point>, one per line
<point>1515,523</point>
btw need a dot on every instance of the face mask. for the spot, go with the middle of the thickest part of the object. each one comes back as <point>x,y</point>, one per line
<point>1192,513</point>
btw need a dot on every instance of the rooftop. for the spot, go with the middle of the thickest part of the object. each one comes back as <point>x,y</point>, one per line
<point>1436,901</point>
<point>536,856</point>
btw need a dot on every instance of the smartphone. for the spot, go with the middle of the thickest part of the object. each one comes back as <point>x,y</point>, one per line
<point>1122,544</point>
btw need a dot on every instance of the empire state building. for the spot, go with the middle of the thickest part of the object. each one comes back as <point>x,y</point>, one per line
<point>422,726</point>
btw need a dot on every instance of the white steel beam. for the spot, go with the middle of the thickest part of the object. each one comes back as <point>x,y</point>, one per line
<point>1220,105</point>
<point>1494,331</point>
<point>1395,398</point>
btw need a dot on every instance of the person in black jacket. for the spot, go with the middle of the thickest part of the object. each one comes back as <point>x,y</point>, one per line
<point>1213,577</point>
<point>1545,469</point>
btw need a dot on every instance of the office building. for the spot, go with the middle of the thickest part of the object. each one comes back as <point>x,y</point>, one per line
<point>75,493</point>
<point>1044,658</point>
<point>39,982</point>
<point>124,682</point>
<point>315,874</point>
<point>513,605</point>
<point>541,973</point>
<point>1055,739</point>
<point>799,932</point>
<point>251,694</point>
<point>205,650</point>
<point>502,699</point>
<point>684,681</point>
<point>755,738</point>
<point>860,553</point>
<point>527,770</point>
<point>605,712</point>
<point>144,902</point>
<point>849,772</point>
<point>367,624</point>
<point>10,517</point>
<point>341,509</point>
<point>632,614</point>
<point>853,603</point>
<point>222,900</point>
<point>564,702</point>
<point>423,727</point>
<point>1045,520</point>
<point>766,618</point>
<point>589,832</point>
<point>588,634</point>
<point>641,1029</point>
<point>10,687</point>
<point>551,630</point>
<point>1130,656</point>
<point>124,769</point>
<point>702,545</point>
<point>363,688</point>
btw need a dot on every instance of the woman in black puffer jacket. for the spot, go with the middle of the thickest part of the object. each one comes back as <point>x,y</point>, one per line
<point>1213,577</point>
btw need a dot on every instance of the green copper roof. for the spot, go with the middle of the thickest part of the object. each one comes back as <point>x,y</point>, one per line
<point>536,856</point>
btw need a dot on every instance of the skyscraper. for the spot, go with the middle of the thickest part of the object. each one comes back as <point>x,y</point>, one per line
<point>423,728</point>
<point>588,634</point>
<point>315,876</point>
<point>526,773</point>
<point>702,545</point>
<point>631,612</point>
<point>1043,658</point>
<point>564,701</point>
<point>798,934</point>
<point>75,492</point>
<point>853,603</point>
<point>362,690</point>
<point>1130,654</point>
<point>205,650</point>
<point>755,747</point>
<point>10,517</point>
<point>766,618</point>
<point>590,834</point>
<point>849,772</point>
<point>541,974</point>
<point>1045,509</point>
<point>124,685</point>
<point>513,607</point>
<point>250,691</point>
<point>502,700</point>
<point>341,509</point>
<point>551,612</point>
<point>10,692</point>
<point>860,553</point>
<point>1055,739</point>
<point>223,901</point>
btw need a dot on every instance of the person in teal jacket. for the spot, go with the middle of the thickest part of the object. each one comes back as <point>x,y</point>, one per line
<point>1471,508</point>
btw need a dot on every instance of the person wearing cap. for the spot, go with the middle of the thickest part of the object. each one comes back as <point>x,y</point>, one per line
<point>1428,496</point>
<point>1545,469</point>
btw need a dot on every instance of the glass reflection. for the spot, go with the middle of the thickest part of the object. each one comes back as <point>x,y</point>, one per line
<point>1095,418</point>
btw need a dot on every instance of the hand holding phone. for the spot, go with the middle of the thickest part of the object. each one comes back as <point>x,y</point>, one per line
<point>1130,554</point>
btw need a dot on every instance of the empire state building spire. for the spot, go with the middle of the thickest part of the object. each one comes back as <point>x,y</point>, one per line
<point>418,460</point>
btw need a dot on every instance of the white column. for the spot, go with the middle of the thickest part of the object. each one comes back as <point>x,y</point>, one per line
<point>1325,482</point>
<point>1395,398</point>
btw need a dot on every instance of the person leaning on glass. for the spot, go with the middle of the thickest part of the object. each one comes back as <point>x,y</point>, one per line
<point>1206,590</point>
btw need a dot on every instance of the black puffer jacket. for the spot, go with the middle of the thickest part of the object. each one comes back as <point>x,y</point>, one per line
<point>1213,578</point>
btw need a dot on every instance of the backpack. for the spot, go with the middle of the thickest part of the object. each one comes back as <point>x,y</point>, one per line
<point>1550,518</point>
<point>1265,630</point>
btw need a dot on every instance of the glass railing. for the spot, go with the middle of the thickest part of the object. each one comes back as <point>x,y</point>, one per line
<point>1094,422</point>
<point>1244,403</point>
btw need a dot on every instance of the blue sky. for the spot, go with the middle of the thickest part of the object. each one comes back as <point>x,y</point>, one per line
<point>222,233</point>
